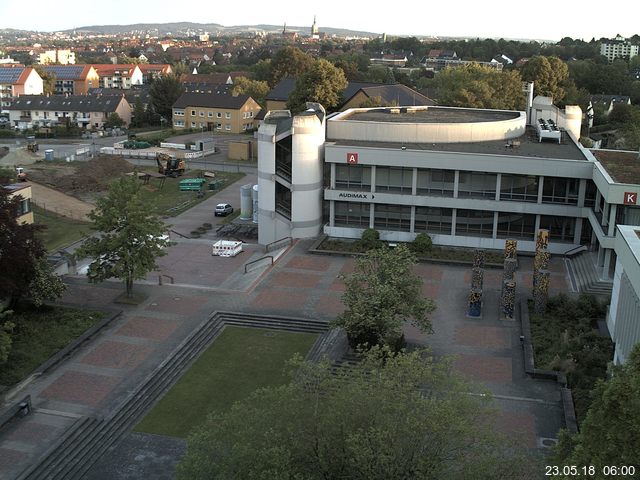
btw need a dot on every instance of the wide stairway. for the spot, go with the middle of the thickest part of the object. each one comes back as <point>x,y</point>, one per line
<point>585,277</point>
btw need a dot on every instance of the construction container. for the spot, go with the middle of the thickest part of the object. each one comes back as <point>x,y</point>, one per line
<point>48,154</point>
<point>192,184</point>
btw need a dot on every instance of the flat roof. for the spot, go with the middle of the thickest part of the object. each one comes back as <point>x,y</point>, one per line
<point>422,114</point>
<point>529,147</point>
<point>622,166</point>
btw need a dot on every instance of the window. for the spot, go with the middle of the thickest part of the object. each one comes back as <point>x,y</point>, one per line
<point>201,114</point>
<point>477,185</point>
<point>227,115</point>
<point>431,219</point>
<point>392,217</point>
<point>209,114</point>
<point>351,214</point>
<point>193,124</point>
<point>24,206</point>
<point>227,127</point>
<point>516,225</point>
<point>353,177</point>
<point>218,126</point>
<point>193,112</point>
<point>560,228</point>
<point>435,182</point>
<point>394,179</point>
<point>560,190</point>
<point>590,194</point>
<point>519,188</point>
<point>179,113</point>
<point>474,223</point>
<point>251,114</point>
<point>179,123</point>
<point>218,115</point>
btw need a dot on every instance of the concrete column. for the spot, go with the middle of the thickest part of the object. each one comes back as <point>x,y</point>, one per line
<point>332,182</point>
<point>498,186</point>
<point>537,226</point>
<point>596,207</point>
<point>412,225</point>
<point>582,191</point>
<point>454,212</point>
<point>414,184</point>
<point>456,182</point>
<point>372,213</point>
<point>605,214</point>
<point>332,212</point>
<point>373,179</point>
<point>612,220</point>
<point>540,188</point>
<point>494,234</point>
<point>577,231</point>
<point>607,263</point>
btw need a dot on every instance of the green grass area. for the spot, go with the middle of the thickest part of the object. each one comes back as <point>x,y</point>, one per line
<point>61,231</point>
<point>240,361</point>
<point>39,333</point>
<point>170,201</point>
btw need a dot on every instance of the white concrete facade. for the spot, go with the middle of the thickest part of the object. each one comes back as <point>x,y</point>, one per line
<point>623,319</point>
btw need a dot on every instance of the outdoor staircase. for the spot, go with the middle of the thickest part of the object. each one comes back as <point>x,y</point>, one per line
<point>81,446</point>
<point>585,277</point>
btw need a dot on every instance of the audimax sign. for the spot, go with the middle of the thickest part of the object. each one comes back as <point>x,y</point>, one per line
<point>363,196</point>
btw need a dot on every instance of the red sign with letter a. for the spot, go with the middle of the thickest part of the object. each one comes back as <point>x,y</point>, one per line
<point>630,198</point>
<point>352,158</point>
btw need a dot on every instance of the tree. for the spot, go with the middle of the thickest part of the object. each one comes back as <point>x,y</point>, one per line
<point>289,62</point>
<point>131,238</point>
<point>366,422</point>
<point>139,115</point>
<point>381,295</point>
<point>113,120</point>
<point>164,92</point>
<point>48,80</point>
<point>256,89</point>
<point>322,83</point>
<point>548,75</point>
<point>45,285</point>
<point>6,328</point>
<point>377,101</point>
<point>610,434</point>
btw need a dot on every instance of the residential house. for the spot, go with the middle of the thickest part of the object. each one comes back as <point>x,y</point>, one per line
<point>502,59</point>
<point>607,102</point>
<point>85,111</point>
<point>23,191</point>
<point>119,75</point>
<point>151,71</point>
<point>389,59</point>
<point>16,81</point>
<point>215,112</point>
<point>73,79</point>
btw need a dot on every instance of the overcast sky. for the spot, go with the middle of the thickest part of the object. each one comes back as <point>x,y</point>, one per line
<point>544,19</point>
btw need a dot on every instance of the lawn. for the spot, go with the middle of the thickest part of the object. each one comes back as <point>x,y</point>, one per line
<point>61,231</point>
<point>170,201</point>
<point>40,333</point>
<point>240,361</point>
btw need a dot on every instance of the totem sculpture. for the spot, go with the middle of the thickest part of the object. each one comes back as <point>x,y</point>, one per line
<point>540,273</point>
<point>477,280</point>
<point>507,297</point>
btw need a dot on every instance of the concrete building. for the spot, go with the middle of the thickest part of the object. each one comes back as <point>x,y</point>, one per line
<point>215,112</point>
<point>119,75</point>
<point>623,319</point>
<point>16,81</point>
<point>23,192</point>
<point>73,79</point>
<point>61,57</point>
<point>467,177</point>
<point>619,47</point>
<point>80,110</point>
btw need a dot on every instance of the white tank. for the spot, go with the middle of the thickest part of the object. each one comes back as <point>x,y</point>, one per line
<point>246,204</point>
<point>254,198</point>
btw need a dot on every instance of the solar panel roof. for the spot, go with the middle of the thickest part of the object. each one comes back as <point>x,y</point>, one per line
<point>10,74</point>
<point>65,72</point>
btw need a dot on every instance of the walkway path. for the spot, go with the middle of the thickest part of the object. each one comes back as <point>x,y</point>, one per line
<point>60,203</point>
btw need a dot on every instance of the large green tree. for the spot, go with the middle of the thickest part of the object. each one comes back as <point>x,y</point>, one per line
<point>322,83</point>
<point>381,295</point>
<point>256,89</point>
<point>164,93</point>
<point>549,76</point>
<point>289,62</point>
<point>387,418</point>
<point>48,80</point>
<point>131,237</point>
<point>477,86</point>
<point>610,434</point>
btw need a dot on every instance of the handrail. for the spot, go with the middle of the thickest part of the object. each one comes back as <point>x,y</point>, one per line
<point>163,275</point>
<point>268,246</point>
<point>256,261</point>
<point>579,248</point>
<point>179,234</point>
<point>21,408</point>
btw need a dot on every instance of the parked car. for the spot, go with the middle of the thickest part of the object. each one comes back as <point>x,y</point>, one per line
<point>223,209</point>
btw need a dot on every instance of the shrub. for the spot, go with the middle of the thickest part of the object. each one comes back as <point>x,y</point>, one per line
<point>370,239</point>
<point>421,244</point>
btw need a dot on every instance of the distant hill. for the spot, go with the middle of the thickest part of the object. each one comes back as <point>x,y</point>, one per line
<point>184,27</point>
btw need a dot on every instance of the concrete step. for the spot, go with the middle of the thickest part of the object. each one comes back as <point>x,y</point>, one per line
<point>586,276</point>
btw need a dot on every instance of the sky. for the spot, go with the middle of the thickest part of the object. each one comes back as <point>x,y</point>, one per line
<point>546,19</point>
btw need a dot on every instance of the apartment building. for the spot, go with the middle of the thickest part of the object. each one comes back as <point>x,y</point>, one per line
<point>151,71</point>
<point>73,79</point>
<point>84,111</point>
<point>16,81</point>
<point>23,192</point>
<point>619,47</point>
<point>61,57</point>
<point>119,75</point>
<point>215,112</point>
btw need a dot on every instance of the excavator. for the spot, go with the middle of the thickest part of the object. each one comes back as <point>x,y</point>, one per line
<point>21,174</point>
<point>32,145</point>
<point>169,166</point>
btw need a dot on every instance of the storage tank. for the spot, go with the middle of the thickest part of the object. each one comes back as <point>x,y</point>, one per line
<point>246,203</point>
<point>254,198</point>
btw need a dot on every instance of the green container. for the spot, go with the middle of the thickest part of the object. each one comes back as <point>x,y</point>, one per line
<point>191,184</point>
